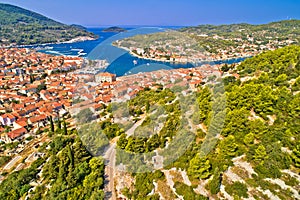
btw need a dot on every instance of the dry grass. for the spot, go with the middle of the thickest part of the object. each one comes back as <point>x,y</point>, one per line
<point>257,194</point>
<point>241,172</point>
<point>165,190</point>
<point>176,176</point>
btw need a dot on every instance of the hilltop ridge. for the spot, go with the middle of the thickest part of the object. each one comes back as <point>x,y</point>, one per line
<point>19,26</point>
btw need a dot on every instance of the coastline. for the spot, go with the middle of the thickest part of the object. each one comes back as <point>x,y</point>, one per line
<point>74,40</point>
<point>169,61</point>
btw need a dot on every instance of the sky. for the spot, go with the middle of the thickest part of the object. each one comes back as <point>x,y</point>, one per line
<point>162,12</point>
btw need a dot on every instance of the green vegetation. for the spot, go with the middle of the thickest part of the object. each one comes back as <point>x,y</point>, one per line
<point>114,29</point>
<point>67,167</point>
<point>23,27</point>
<point>233,40</point>
<point>215,184</point>
<point>262,123</point>
<point>261,127</point>
<point>237,34</point>
<point>18,183</point>
<point>279,65</point>
<point>85,116</point>
<point>296,155</point>
<point>199,167</point>
<point>161,103</point>
<point>93,138</point>
<point>144,185</point>
<point>4,159</point>
<point>237,189</point>
<point>187,192</point>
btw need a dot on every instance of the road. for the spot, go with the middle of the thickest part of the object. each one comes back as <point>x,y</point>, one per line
<point>130,131</point>
<point>29,148</point>
<point>110,163</point>
<point>12,163</point>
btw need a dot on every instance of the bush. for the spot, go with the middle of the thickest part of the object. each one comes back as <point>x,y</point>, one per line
<point>187,192</point>
<point>215,184</point>
<point>237,188</point>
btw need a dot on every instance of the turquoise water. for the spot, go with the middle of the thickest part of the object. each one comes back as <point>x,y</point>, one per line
<point>121,62</point>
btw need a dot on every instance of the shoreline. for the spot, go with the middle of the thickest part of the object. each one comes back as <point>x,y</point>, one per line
<point>74,40</point>
<point>87,38</point>
<point>169,61</point>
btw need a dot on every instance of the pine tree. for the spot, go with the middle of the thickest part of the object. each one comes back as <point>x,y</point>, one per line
<point>215,184</point>
<point>260,153</point>
<point>296,155</point>
<point>228,147</point>
<point>249,139</point>
<point>199,167</point>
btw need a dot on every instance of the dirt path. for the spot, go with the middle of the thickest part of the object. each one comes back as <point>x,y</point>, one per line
<point>110,163</point>
<point>110,159</point>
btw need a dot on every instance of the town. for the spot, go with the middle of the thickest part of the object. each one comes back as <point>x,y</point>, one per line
<point>37,89</point>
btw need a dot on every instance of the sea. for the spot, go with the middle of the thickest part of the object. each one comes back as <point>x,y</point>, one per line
<point>121,62</point>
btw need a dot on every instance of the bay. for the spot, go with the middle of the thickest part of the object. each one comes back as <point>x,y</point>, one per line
<point>121,62</point>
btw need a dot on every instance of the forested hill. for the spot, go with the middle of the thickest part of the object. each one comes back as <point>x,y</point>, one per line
<point>215,42</point>
<point>21,27</point>
<point>257,155</point>
<point>279,28</point>
<point>275,35</point>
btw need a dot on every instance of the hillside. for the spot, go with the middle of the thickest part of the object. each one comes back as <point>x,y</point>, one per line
<point>209,42</point>
<point>256,153</point>
<point>19,26</point>
<point>234,136</point>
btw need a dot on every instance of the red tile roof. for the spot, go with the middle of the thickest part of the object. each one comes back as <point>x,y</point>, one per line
<point>16,133</point>
<point>38,118</point>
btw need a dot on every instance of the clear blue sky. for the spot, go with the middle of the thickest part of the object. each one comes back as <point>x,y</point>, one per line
<point>162,12</point>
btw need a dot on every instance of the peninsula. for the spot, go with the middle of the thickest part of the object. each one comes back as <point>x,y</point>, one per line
<point>23,27</point>
<point>212,43</point>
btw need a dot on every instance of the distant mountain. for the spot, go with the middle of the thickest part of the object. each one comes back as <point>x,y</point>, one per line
<point>212,42</point>
<point>277,29</point>
<point>115,29</point>
<point>19,26</point>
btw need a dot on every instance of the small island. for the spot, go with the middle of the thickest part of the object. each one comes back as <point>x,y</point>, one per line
<point>114,29</point>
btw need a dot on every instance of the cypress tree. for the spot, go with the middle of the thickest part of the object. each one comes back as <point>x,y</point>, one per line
<point>51,124</point>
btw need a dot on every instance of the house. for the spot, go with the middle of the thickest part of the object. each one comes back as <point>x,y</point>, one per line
<point>105,77</point>
<point>28,89</point>
<point>22,113</point>
<point>20,124</point>
<point>237,76</point>
<point>98,107</point>
<point>131,95</point>
<point>98,99</point>
<point>194,84</point>
<point>57,106</point>
<point>30,108</point>
<point>106,99</point>
<point>44,95</point>
<point>120,91</point>
<point>37,119</point>
<point>16,133</point>
<point>7,119</point>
